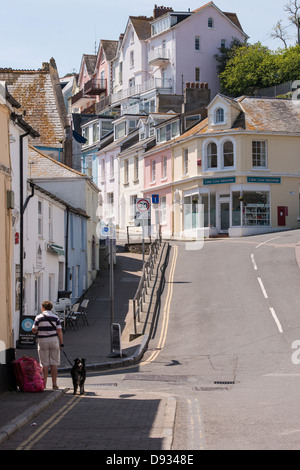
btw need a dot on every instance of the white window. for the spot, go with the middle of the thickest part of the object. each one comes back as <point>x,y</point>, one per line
<point>132,206</point>
<point>120,72</point>
<point>50,223</point>
<point>219,116</point>
<point>210,22</point>
<point>85,134</point>
<point>126,172</point>
<point>197,74</point>
<point>259,153</point>
<point>102,169</point>
<point>163,210</point>
<point>153,171</point>
<point>164,167</point>
<point>110,203</point>
<point>96,132</point>
<point>197,43</point>
<point>212,155</point>
<point>136,168</point>
<point>111,166</point>
<point>120,130</point>
<point>40,218</point>
<point>228,154</point>
<point>89,165</point>
<point>131,58</point>
<point>185,161</point>
<point>131,82</point>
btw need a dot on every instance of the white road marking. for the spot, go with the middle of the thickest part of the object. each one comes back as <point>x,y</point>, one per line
<point>262,288</point>
<point>267,241</point>
<point>253,262</point>
<point>276,320</point>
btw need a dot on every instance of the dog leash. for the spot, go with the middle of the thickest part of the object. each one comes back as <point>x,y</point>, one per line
<point>67,357</point>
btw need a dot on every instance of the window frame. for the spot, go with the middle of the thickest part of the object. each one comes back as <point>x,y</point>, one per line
<point>255,155</point>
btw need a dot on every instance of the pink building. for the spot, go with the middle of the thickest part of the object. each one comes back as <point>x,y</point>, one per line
<point>157,182</point>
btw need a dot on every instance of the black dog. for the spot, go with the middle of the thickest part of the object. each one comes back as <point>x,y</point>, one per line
<point>78,374</point>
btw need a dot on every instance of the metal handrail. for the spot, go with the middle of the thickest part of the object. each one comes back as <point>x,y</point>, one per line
<point>144,283</point>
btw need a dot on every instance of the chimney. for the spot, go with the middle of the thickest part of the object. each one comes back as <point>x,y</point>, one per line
<point>159,11</point>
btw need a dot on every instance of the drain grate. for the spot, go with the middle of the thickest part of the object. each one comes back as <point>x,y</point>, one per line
<point>224,382</point>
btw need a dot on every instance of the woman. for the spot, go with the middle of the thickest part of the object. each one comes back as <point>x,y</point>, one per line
<point>50,340</point>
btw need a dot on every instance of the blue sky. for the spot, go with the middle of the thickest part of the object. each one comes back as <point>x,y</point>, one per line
<point>33,31</point>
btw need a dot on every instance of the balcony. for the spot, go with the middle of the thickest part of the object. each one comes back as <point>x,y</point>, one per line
<point>80,99</point>
<point>159,84</point>
<point>158,56</point>
<point>95,86</point>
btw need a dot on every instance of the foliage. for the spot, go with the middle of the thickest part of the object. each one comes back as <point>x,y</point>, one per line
<point>255,66</point>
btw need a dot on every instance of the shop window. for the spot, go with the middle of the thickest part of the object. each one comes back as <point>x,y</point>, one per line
<point>236,209</point>
<point>204,201</point>
<point>212,210</point>
<point>256,208</point>
<point>259,154</point>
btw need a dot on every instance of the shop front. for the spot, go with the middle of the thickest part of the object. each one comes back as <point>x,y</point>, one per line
<point>237,206</point>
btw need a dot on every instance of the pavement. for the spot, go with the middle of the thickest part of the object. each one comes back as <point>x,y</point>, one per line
<point>92,342</point>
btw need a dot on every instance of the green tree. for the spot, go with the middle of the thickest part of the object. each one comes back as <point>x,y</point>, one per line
<point>256,66</point>
<point>227,53</point>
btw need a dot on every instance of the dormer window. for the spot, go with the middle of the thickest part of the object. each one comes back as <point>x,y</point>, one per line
<point>219,116</point>
<point>168,131</point>
<point>210,22</point>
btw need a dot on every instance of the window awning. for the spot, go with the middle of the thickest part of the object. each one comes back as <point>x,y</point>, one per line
<point>56,249</point>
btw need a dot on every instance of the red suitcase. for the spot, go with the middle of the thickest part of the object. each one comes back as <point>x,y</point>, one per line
<point>29,375</point>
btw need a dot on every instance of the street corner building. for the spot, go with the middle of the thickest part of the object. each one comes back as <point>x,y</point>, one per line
<point>241,164</point>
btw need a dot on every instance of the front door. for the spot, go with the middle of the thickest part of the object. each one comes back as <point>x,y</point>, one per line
<point>224,217</point>
<point>281,213</point>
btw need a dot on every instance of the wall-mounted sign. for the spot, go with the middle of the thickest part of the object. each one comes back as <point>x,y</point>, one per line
<point>207,181</point>
<point>263,179</point>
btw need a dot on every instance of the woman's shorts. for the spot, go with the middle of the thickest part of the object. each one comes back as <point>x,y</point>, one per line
<point>49,351</point>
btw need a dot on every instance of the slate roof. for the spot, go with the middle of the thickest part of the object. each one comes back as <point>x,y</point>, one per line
<point>276,115</point>
<point>90,62</point>
<point>142,26</point>
<point>110,48</point>
<point>41,165</point>
<point>258,115</point>
<point>40,96</point>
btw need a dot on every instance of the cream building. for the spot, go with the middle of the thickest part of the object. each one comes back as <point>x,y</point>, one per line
<point>6,340</point>
<point>242,164</point>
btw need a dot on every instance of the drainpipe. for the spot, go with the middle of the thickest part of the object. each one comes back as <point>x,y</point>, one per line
<point>67,250</point>
<point>29,197</point>
<point>21,221</point>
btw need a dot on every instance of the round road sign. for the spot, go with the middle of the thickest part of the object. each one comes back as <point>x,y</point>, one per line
<point>143,205</point>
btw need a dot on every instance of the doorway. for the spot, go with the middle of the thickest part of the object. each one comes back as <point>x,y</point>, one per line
<point>224,217</point>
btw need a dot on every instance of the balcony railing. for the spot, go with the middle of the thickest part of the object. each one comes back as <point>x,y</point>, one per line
<point>160,84</point>
<point>95,86</point>
<point>158,56</point>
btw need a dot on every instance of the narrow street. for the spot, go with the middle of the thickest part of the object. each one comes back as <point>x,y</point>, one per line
<point>218,373</point>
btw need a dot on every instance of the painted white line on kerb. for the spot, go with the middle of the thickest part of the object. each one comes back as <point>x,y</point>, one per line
<point>267,241</point>
<point>253,262</point>
<point>276,320</point>
<point>262,288</point>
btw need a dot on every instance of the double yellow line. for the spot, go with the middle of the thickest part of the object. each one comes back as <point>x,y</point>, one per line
<point>166,312</point>
<point>49,424</point>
